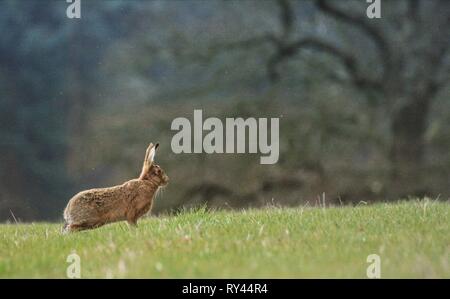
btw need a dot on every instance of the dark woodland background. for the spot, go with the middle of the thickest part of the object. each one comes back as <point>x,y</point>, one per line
<point>363,103</point>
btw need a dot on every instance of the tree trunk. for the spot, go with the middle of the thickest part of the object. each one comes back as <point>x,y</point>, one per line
<point>408,148</point>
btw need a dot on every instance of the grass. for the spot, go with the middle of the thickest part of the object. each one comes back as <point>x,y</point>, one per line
<point>412,238</point>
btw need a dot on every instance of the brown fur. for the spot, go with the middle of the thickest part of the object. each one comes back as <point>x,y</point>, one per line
<point>129,201</point>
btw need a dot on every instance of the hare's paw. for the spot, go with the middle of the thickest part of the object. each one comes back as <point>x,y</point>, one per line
<point>132,222</point>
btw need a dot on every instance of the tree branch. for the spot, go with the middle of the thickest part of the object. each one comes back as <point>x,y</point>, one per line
<point>348,60</point>
<point>362,23</point>
<point>246,44</point>
<point>287,17</point>
<point>284,48</point>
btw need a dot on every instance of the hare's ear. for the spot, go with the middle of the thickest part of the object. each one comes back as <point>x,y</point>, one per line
<point>147,152</point>
<point>148,160</point>
<point>151,155</point>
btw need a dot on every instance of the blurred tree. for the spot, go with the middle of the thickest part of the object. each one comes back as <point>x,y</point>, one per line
<point>48,79</point>
<point>402,59</point>
<point>129,55</point>
<point>32,114</point>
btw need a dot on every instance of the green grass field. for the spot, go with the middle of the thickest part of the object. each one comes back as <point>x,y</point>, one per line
<point>412,239</point>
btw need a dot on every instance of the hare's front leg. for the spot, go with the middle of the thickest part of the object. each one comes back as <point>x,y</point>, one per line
<point>141,205</point>
<point>132,217</point>
<point>132,222</point>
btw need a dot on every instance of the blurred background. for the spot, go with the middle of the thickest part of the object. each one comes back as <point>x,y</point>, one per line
<point>363,103</point>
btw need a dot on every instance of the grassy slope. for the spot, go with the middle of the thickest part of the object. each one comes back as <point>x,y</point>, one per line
<point>413,240</point>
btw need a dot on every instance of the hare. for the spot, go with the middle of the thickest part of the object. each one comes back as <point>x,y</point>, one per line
<point>96,207</point>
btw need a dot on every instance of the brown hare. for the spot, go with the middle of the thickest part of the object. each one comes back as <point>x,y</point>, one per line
<point>96,207</point>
